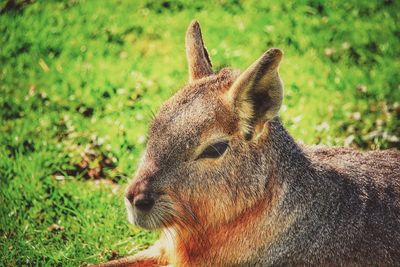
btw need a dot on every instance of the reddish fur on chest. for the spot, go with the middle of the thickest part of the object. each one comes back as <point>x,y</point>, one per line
<point>232,241</point>
<point>209,245</point>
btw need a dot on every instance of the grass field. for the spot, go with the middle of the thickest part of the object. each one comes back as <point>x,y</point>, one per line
<point>79,81</point>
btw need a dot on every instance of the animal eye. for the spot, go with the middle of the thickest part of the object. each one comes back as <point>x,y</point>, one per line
<point>215,150</point>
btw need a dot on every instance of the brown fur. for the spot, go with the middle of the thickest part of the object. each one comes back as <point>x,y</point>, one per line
<point>266,201</point>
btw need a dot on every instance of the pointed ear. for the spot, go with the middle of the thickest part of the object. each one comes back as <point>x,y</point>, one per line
<point>257,93</point>
<point>197,56</point>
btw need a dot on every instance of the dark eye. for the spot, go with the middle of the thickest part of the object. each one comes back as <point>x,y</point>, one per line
<point>214,151</point>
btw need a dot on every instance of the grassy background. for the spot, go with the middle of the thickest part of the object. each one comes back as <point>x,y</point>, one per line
<point>79,81</point>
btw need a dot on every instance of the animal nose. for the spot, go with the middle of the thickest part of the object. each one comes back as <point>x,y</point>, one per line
<point>129,196</point>
<point>143,202</point>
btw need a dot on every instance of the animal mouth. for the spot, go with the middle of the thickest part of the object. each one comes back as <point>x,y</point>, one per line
<point>160,216</point>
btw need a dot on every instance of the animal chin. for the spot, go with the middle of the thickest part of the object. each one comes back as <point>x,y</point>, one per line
<point>145,222</point>
<point>129,211</point>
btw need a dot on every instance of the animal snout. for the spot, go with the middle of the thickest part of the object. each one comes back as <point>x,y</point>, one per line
<point>143,202</point>
<point>140,197</point>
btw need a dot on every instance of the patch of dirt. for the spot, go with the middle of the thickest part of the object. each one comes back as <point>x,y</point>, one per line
<point>90,163</point>
<point>14,5</point>
<point>88,157</point>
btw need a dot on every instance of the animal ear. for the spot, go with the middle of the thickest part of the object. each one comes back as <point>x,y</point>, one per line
<point>197,55</point>
<point>257,93</point>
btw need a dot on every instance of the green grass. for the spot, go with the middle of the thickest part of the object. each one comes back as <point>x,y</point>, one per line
<point>79,81</point>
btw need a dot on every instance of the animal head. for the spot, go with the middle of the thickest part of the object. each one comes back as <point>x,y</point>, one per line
<point>205,157</point>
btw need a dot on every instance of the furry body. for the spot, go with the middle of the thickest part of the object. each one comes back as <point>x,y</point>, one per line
<point>262,200</point>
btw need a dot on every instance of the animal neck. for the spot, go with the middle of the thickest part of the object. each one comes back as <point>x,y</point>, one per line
<point>231,241</point>
<point>286,159</point>
<point>214,246</point>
